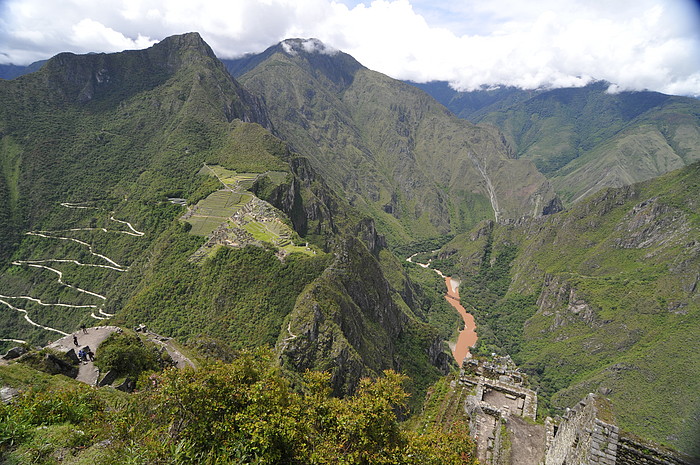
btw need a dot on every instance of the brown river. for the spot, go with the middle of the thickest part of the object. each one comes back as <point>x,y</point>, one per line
<point>467,336</point>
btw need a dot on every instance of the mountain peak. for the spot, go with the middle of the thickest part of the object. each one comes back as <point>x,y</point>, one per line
<point>189,41</point>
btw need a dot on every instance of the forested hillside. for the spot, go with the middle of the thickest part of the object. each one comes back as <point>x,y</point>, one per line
<point>603,297</point>
<point>585,139</point>
<point>260,210</point>
<point>390,149</point>
<point>102,160</point>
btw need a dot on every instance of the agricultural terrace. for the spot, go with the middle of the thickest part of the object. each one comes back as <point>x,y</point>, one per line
<point>233,216</point>
<point>218,207</point>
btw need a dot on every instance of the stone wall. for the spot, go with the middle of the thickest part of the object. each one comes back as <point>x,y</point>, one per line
<point>586,435</point>
<point>631,452</point>
<point>582,438</point>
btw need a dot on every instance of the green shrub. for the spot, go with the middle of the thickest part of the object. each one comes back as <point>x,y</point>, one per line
<point>126,354</point>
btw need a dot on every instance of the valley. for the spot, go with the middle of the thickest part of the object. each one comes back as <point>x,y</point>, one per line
<point>255,215</point>
<point>467,336</point>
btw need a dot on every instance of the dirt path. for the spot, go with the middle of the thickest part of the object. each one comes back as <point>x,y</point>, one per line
<point>112,265</point>
<point>181,361</point>
<point>60,278</point>
<point>29,320</point>
<point>467,336</point>
<point>44,304</point>
<point>527,441</point>
<point>47,235</point>
<point>133,232</point>
<point>88,372</point>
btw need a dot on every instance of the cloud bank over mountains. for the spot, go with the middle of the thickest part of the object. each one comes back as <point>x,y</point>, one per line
<point>640,44</point>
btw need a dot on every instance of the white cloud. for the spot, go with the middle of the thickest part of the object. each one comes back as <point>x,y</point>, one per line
<point>104,38</point>
<point>638,44</point>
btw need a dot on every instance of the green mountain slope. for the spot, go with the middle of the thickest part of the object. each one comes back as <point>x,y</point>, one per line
<point>99,152</point>
<point>390,149</point>
<point>585,139</point>
<point>602,297</point>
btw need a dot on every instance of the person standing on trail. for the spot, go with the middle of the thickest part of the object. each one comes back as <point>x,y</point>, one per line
<point>75,340</point>
<point>83,328</point>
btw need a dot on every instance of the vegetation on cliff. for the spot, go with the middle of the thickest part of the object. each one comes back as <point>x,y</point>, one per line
<point>600,297</point>
<point>242,412</point>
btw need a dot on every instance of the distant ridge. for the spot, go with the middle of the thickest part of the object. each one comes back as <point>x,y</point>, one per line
<point>586,138</point>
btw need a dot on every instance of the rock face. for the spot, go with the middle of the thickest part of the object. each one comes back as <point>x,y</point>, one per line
<point>650,224</point>
<point>14,353</point>
<point>560,299</point>
<point>346,321</point>
<point>57,366</point>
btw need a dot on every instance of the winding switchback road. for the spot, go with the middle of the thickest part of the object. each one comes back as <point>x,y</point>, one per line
<point>56,234</point>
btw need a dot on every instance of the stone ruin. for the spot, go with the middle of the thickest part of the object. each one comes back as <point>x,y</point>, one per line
<point>501,402</point>
<point>587,434</point>
<point>502,412</point>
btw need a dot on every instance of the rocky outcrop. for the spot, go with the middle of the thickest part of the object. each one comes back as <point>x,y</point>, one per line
<point>651,223</point>
<point>306,200</point>
<point>347,321</point>
<point>554,206</point>
<point>14,353</point>
<point>559,298</point>
<point>7,393</point>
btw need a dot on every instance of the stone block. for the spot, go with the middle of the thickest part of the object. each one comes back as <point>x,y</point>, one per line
<point>108,379</point>
<point>14,353</point>
<point>73,356</point>
<point>7,393</point>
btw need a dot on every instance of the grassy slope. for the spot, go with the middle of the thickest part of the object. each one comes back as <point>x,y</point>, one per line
<point>392,150</point>
<point>617,307</point>
<point>127,142</point>
<point>585,139</point>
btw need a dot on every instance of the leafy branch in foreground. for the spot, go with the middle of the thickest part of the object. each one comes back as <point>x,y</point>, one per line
<point>242,412</point>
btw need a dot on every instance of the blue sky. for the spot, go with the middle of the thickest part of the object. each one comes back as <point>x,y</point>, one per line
<point>640,44</point>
